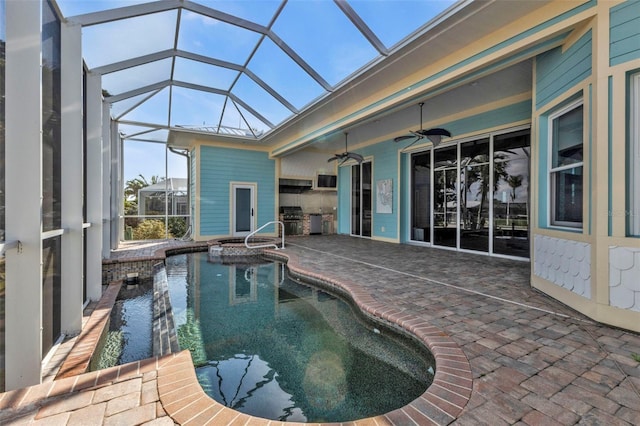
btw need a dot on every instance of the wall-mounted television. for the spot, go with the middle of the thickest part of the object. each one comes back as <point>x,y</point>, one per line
<point>326,181</point>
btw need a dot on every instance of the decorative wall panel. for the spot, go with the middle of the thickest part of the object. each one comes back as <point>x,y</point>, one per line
<point>624,278</point>
<point>565,263</point>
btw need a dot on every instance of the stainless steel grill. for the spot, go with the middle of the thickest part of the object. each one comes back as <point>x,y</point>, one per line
<point>292,218</point>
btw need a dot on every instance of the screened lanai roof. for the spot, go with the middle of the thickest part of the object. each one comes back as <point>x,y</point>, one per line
<point>236,68</point>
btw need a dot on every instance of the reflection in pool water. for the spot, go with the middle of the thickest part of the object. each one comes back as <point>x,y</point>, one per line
<point>271,347</point>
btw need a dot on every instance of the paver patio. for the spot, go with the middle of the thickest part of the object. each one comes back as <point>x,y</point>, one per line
<point>533,360</point>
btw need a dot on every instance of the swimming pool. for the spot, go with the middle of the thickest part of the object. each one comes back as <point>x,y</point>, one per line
<point>272,347</point>
<point>130,333</point>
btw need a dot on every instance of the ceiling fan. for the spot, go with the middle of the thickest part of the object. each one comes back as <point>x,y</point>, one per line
<point>346,155</point>
<point>434,135</point>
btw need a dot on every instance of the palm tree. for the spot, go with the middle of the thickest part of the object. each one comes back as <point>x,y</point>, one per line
<point>131,189</point>
<point>136,184</point>
<point>514,182</point>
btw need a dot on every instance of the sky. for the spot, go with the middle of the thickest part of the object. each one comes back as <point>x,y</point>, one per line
<point>316,30</point>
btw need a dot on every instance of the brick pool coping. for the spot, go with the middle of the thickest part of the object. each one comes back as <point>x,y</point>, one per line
<point>186,403</point>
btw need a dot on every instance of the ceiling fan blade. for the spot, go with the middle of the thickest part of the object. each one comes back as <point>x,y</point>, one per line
<point>435,132</point>
<point>359,158</point>
<point>417,139</point>
<point>402,138</point>
<point>334,158</point>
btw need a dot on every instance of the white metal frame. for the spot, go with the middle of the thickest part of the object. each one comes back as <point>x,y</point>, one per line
<point>23,179</point>
<point>72,256</point>
<point>23,188</point>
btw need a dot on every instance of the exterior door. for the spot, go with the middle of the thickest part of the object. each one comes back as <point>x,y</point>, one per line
<point>361,199</point>
<point>243,209</point>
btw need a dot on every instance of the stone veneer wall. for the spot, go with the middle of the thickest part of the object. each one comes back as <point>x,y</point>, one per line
<point>115,270</point>
<point>624,278</point>
<point>565,263</point>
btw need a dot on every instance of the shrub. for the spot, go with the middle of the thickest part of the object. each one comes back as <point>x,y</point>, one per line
<point>150,230</point>
<point>177,226</point>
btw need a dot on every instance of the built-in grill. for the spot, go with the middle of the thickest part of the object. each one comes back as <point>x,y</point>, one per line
<point>291,216</point>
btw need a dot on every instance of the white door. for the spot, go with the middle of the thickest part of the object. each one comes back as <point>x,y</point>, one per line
<point>243,209</point>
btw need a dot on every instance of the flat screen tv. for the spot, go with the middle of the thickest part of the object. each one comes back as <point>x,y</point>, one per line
<point>326,181</point>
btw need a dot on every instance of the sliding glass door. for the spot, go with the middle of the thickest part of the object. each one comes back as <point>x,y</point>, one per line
<point>473,195</point>
<point>475,190</point>
<point>421,196</point>
<point>511,154</point>
<point>361,199</point>
<point>445,196</point>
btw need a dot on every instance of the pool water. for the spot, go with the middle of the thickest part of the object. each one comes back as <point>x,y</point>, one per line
<point>269,346</point>
<point>129,337</point>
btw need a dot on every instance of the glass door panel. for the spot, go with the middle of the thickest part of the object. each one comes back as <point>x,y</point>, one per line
<point>51,293</point>
<point>445,212</point>
<point>355,200</point>
<point>421,196</point>
<point>243,210</point>
<point>361,199</point>
<point>475,193</point>
<point>511,197</point>
<point>366,199</point>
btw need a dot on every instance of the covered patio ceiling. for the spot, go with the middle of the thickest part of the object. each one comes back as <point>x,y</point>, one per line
<point>245,70</point>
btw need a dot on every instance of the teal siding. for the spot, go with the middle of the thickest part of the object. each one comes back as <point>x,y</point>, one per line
<point>192,183</point>
<point>219,167</point>
<point>497,117</point>
<point>344,203</point>
<point>558,71</point>
<point>385,166</point>
<point>624,32</point>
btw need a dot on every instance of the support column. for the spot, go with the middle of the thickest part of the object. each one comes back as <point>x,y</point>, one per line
<point>106,182</point>
<point>23,183</point>
<point>94,185</point>
<point>72,179</point>
<point>117,188</point>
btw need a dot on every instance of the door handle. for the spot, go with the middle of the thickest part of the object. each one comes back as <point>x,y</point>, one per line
<point>251,211</point>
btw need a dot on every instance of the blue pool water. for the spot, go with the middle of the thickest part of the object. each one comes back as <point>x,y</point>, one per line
<point>130,333</point>
<point>272,347</point>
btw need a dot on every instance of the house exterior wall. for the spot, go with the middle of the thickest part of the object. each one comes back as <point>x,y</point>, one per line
<point>217,168</point>
<point>624,37</point>
<point>592,269</point>
<point>586,54</point>
<point>559,69</point>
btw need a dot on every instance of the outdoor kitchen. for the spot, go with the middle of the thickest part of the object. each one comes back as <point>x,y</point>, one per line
<point>308,197</point>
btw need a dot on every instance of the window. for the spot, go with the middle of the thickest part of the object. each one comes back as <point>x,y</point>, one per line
<point>566,166</point>
<point>633,205</point>
<point>51,178</point>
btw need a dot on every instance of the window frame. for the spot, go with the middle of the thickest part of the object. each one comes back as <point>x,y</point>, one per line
<point>552,171</point>
<point>633,183</point>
